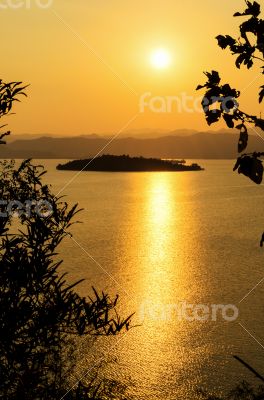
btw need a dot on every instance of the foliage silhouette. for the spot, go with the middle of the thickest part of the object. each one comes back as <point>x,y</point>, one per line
<point>9,93</point>
<point>40,314</point>
<point>220,101</point>
<point>39,310</point>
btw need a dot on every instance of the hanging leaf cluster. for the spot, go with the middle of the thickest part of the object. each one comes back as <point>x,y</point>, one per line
<point>251,166</point>
<point>220,101</point>
<point>250,45</point>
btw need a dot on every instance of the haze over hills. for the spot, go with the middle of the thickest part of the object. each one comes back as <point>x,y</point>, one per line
<point>136,133</point>
<point>204,145</point>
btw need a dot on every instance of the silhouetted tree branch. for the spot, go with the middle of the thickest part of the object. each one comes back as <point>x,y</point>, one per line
<point>9,93</point>
<point>220,101</point>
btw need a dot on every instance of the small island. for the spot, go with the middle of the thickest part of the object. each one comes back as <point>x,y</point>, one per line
<point>125,163</point>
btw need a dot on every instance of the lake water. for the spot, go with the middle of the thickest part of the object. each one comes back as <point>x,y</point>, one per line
<point>161,240</point>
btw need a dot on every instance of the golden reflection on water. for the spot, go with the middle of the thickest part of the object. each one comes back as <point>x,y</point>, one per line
<point>160,205</point>
<point>162,278</point>
<point>160,211</point>
<point>162,219</point>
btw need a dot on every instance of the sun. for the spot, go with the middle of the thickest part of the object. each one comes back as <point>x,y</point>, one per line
<point>160,58</point>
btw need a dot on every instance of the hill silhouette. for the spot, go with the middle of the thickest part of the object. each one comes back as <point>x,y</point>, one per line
<point>197,146</point>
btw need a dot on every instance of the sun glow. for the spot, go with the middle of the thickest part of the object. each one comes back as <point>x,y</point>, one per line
<point>160,59</point>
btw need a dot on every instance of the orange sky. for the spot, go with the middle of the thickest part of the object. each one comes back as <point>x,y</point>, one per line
<point>88,62</point>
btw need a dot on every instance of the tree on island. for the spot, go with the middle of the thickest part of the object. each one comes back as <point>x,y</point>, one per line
<point>221,101</point>
<point>41,315</point>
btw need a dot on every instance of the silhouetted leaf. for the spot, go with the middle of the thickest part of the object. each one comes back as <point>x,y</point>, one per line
<point>261,94</point>
<point>253,9</point>
<point>229,119</point>
<point>251,167</point>
<point>262,240</point>
<point>212,116</point>
<point>213,77</point>
<point>245,59</point>
<point>243,141</point>
<point>225,41</point>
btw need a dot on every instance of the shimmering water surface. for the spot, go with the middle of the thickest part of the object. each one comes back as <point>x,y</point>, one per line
<point>160,239</point>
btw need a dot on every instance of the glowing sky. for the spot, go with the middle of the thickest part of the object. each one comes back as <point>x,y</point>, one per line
<point>89,61</point>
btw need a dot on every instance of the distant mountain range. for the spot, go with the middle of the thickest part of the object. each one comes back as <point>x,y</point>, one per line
<point>136,133</point>
<point>179,144</point>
